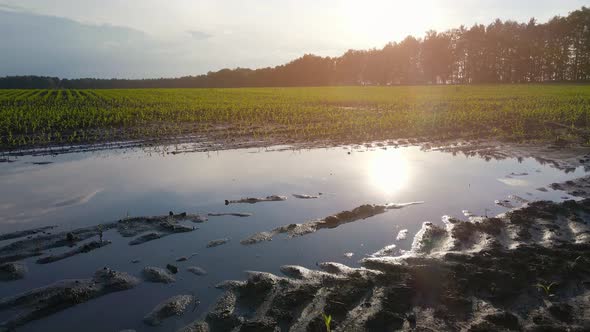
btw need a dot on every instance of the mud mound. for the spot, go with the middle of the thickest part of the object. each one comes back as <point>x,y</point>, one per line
<point>566,159</point>
<point>525,270</point>
<point>44,301</point>
<point>145,229</point>
<point>12,271</point>
<point>174,306</point>
<point>28,232</point>
<point>579,187</point>
<point>254,200</point>
<point>359,213</point>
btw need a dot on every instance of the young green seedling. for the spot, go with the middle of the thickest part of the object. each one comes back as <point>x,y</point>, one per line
<point>546,288</point>
<point>327,321</point>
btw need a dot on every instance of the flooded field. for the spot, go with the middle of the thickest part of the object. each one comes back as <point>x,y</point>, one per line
<point>224,233</point>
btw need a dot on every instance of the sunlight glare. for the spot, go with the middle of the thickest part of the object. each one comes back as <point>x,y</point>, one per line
<point>386,20</point>
<point>389,172</point>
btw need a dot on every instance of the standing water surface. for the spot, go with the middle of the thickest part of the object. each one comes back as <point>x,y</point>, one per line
<point>82,189</point>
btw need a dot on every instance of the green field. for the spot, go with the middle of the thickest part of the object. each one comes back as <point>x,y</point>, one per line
<point>52,117</point>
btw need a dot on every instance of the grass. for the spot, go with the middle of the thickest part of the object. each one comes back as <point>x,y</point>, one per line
<point>56,117</point>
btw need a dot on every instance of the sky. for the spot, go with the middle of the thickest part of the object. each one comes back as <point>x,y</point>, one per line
<point>172,38</point>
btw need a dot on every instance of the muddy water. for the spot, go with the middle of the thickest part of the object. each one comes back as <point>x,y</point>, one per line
<point>85,189</point>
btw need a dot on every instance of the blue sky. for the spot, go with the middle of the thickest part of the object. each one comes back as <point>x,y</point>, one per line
<point>156,38</point>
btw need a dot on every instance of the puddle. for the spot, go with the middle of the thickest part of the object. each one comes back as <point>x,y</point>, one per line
<point>85,189</point>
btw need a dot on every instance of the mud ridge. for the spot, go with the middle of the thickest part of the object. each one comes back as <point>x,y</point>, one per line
<point>88,247</point>
<point>174,306</point>
<point>12,271</point>
<point>579,187</point>
<point>478,275</point>
<point>253,200</point>
<point>28,232</point>
<point>217,242</point>
<point>145,228</point>
<point>333,221</point>
<point>555,155</point>
<point>44,301</point>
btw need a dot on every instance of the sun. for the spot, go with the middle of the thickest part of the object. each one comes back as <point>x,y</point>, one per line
<point>381,21</point>
<point>389,172</point>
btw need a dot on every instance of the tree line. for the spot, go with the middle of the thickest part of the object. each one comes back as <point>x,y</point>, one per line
<point>501,52</point>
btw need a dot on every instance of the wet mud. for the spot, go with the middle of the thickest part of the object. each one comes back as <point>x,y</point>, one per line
<point>525,270</point>
<point>359,213</point>
<point>158,275</point>
<point>174,306</point>
<point>253,200</point>
<point>28,232</point>
<point>579,187</point>
<point>88,247</point>
<point>44,301</point>
<point>12,271</point>
<point>144,229</point>
<point>36,246</point>
<point>217,243</point>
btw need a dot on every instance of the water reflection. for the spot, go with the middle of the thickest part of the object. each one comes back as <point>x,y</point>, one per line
<point>84,189</point>
<point>389,171</point>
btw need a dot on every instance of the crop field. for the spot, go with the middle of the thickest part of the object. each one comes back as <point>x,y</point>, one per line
<point>37,118</point>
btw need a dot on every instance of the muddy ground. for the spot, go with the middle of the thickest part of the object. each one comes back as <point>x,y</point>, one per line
<point>217,138</point>
<point>528,269</point>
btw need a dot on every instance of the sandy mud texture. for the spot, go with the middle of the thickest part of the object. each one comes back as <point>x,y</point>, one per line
<point>333,221</point>
<point>28,232</point>
<point>156,274</point>
<point>174,306</point>
<point>144,229</point>
<point>44,301</point>
<point>253,200</point>
<point>88,247</point>
<point>37,245</point>
<point>217,243</point>
<point>555,154</point>
<point>526,270</point>
<point>579,187</point>
<point>569,144</point>
<point>153,228</point>
<point>12,271</point>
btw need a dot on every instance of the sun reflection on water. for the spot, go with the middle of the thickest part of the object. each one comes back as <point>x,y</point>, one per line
<point>389,171</point>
